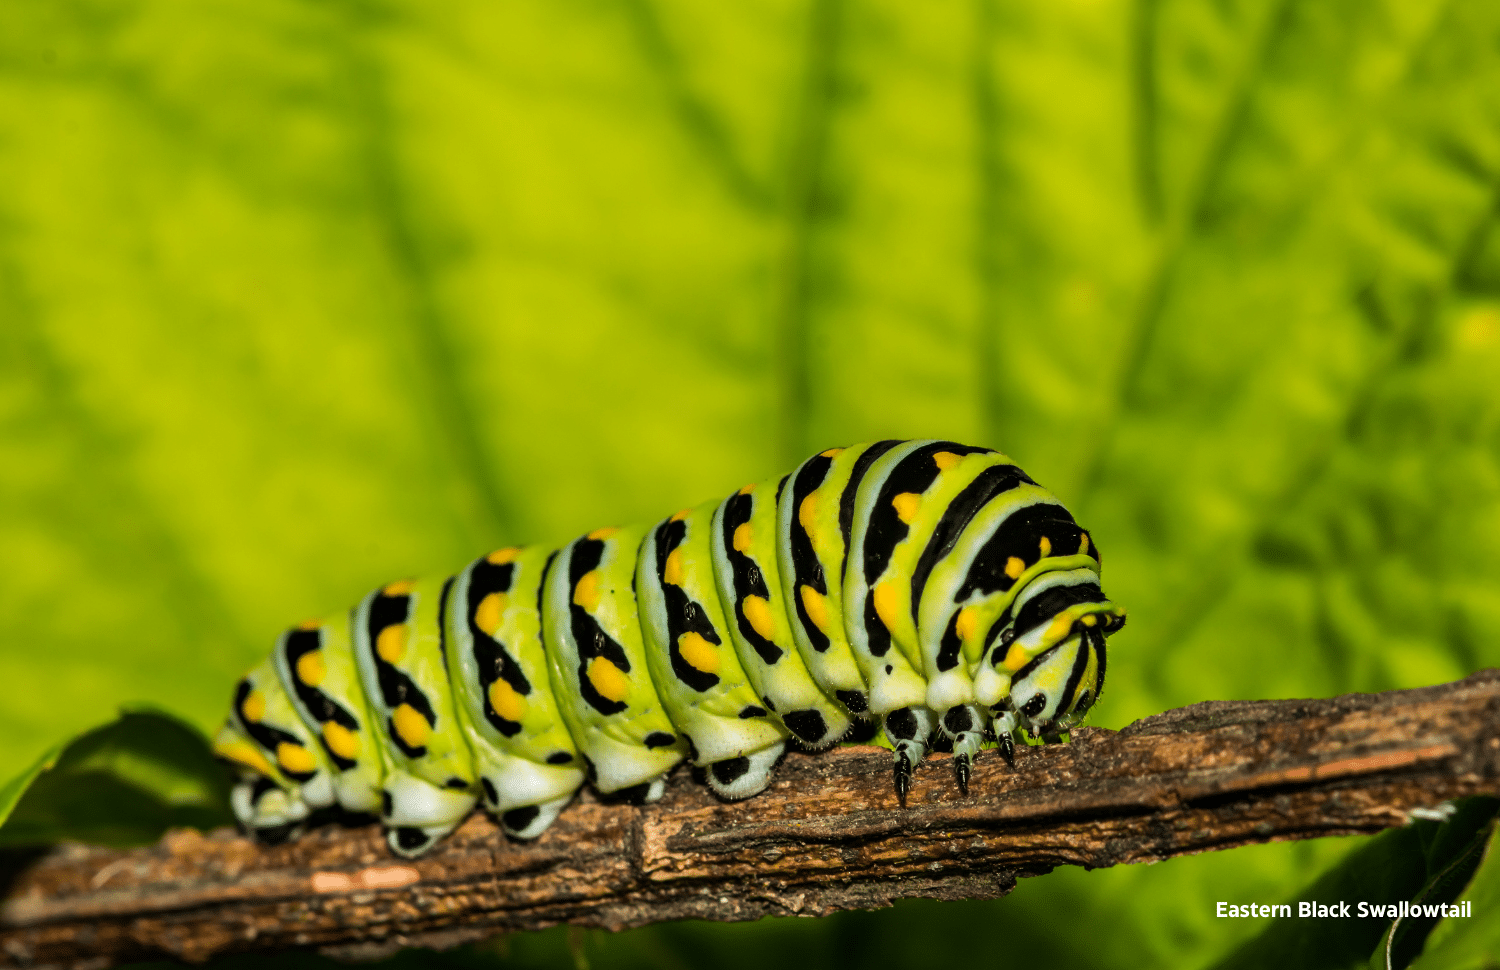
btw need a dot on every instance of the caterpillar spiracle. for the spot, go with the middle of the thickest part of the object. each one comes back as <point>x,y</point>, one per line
<point>927,588</point>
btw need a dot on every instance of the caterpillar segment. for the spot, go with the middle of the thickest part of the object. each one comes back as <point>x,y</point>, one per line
<point>283,775</point>
<point>927,587</point>
<point>746,565</point>
<point>814,516</point>
<point>907,494</point>
<point>594,641</point>
<point>428,783</point>
<point>315,666</point>
<point>527,762</point>
<point>694,660</point>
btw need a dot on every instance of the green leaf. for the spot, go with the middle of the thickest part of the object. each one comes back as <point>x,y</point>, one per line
<point>11,791</point>
<point>1472,942</point>
<point>1452,855</point>
<point>122,784</point>
<point>297,298</point>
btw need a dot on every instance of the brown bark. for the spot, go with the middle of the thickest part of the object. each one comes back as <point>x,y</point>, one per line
<point>828,835</point>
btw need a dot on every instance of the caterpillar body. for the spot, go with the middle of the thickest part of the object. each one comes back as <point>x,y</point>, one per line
<point>927,588</point>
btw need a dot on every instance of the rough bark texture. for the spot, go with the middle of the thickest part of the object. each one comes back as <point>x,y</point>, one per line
<point>828,835</point>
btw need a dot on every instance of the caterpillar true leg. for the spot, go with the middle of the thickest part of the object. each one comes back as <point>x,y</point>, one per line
<point>908,730</point>
<point>964,725</point>
<point>1004,727</point>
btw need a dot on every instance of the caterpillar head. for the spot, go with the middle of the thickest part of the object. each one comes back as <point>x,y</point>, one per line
<point>1045,667</point>
<point>1047,678</point>
<point>1054,692</point>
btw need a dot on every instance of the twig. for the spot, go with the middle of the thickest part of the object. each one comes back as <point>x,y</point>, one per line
<point>829,835</point>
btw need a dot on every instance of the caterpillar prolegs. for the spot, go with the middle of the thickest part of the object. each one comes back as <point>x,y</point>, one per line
<point>925,587</point>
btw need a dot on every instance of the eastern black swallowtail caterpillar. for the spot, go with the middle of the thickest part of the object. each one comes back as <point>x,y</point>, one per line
<point>925,587</point>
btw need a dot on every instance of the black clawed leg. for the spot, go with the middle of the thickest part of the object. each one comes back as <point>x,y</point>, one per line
<point>1008,749</point>
<point>961,772</point>
<point>903,777</point>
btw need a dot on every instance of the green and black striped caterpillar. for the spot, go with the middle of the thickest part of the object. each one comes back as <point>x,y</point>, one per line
<point>928,588</point>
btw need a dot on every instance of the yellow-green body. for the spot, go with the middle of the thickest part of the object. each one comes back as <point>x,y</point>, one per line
<point>927,587</point>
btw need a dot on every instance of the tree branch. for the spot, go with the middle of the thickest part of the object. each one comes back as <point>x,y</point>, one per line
<point>829,835</point>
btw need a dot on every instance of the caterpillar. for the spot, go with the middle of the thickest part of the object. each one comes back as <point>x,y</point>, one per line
<point>928,590</point>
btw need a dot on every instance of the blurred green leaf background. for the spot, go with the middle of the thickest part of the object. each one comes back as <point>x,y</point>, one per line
<point>299,296</point>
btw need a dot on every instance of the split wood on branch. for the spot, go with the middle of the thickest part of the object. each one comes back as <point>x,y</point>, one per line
<point>828,835</point>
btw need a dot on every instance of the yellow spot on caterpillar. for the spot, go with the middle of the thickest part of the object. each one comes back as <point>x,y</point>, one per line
<point>603,533</point>
<point>501,557</point>
<point>742,538</point>
<point>254,707</point>
<point>489,611</point>
<point>401,587</point>
<point>410,725</point>
<point>964,625</point>
<point>946,460</point>
<point>586,593</point>
<point>1083,545</point>
<point>310,668</point>
<point>1046,546</point>
<point>1059,628</point>
<point>608,679</point>
<point>294,757</point>
<point>1014,567</point>
<point>1090,620</point>
<point>679,516</point>
<point>831,453</point>
<point>390,643</point>
<point>672,572</point>
<point>816,605</point>
<point>807,513</point>
<point>309,624</point>
<point>906,505</point>
<point>758,612</point>
<point>885,603</point>
<point>245,753</point>
<point>506,702</point>
<point>341,741</point>
<point>1016,659</point>
<point>748,489</point>
<point>698,652</point>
